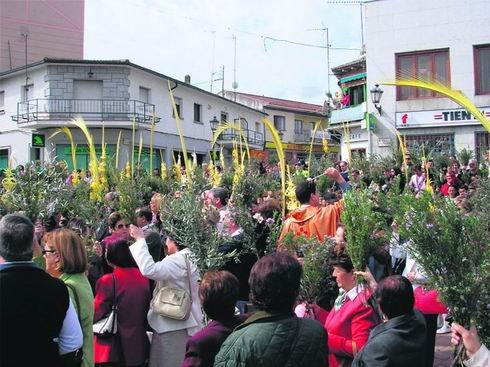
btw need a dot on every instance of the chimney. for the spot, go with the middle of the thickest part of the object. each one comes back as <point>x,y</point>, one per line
<point>187,79</point>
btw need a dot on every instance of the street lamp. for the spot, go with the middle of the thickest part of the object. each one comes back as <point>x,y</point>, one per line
<point>376,94</point>
<point>214,124</point>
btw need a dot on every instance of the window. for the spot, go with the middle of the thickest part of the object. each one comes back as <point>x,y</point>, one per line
<point>258,127</point>
<point>27,92</point>
<point>88,89</point>
<point>482,145</point>
<point>180,108</point>
<point>280,123</point>
<point>298,126</point>
<point>2,101</point>
<point>482,69</point>
<point>197,112</point>
<point>431,65</point>
<point>357,95</point>
<point>223,117</point>
<point>434,144</point>
<point>144,95</point>
<point>4,159</point>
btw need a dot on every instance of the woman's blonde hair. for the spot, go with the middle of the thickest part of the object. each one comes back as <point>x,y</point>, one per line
<point>70,248</point>
<point>158,199</point>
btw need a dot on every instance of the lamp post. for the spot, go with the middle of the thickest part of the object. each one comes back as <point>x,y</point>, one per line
<point>376,94</point>
<point>214,126</point>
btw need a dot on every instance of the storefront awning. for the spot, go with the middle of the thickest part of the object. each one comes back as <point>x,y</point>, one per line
<point>352,77</point>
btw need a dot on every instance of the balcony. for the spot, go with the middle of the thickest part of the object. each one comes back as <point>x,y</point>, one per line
<point>354,113</point>
<point>307,135</point>
<point>302,136</point>
<point>39,113</point>
<point>254,138</point>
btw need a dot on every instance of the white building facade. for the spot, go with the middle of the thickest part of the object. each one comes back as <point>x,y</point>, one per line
<point>109,96</point>
<point>443,40</point>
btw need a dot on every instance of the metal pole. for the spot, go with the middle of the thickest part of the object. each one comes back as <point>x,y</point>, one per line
<point>328,63</point>
<point>26,90</point>
<point>234,68</point>
<point>10,55</point>
<point>362,28</point>
<point>223,80</point>
<point>212,62</point>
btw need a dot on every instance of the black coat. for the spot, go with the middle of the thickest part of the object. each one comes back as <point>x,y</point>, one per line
<point>33,306</point>
<point>242,268</point>
<point>400,342</point>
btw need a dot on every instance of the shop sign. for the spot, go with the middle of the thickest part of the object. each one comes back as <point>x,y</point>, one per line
<point>434,118</point>
<point>38,140</point>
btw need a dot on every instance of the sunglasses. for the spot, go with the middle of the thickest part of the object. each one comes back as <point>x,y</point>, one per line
<point>44,252</point>
<point>121,226</point>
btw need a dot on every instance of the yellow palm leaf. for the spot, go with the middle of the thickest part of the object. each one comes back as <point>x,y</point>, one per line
<point>276,140</point>
<point>454,95</point>
<point>181,135</point>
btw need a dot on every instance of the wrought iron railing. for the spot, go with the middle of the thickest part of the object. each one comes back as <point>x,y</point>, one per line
<point>89,109</point>
<point>253,137</point>
<point>302,136</point>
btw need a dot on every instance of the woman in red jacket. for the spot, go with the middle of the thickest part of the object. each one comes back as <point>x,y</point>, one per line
<point>130,346</point>
<point>351,320</point>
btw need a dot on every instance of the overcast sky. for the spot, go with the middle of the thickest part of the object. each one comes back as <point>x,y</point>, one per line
<point>178,37</point>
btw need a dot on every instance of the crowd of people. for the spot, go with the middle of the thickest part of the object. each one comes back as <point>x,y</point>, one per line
<point>166,313</point>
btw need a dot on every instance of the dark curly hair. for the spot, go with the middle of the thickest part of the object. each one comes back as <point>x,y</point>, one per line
<point>340,258</point>
<point>274,282</point>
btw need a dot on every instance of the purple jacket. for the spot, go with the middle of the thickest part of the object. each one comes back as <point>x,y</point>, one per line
<point>203,346</point>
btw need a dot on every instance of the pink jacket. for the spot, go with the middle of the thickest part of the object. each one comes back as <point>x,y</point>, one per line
<point>348,329</point>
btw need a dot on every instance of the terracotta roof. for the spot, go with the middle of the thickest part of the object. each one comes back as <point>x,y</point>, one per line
<point>278,103</point>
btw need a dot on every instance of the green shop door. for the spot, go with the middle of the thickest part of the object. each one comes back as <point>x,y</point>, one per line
<point>144,163</point>
<point>82,156</point>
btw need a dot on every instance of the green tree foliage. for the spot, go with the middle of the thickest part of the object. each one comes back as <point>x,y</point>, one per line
<point>454,251</point>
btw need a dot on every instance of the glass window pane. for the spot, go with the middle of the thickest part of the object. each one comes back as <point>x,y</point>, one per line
<point>405,70</point>
<point>298,126</point>
<point>441,70</point>
<point>423,73</point>
<point>279,123</point>
<point>483,55</point>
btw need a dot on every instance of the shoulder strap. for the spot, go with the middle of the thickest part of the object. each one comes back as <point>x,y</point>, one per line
<point>187,263</point>
<point>114,303</point>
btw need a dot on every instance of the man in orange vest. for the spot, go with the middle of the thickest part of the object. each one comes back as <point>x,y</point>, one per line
<point>310,219</point>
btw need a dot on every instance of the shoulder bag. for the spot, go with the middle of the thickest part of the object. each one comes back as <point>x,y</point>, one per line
<point>108,325</point>
<point>174,302</point>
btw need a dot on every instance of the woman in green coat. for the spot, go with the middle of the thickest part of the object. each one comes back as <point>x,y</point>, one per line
<point>66,259</point>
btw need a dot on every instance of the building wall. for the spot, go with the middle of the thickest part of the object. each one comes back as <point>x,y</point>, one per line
<point>60,80</point>
<point>55,81</point>
<point>399,26</point>
<point>12,87</point>
<point>55,28</point>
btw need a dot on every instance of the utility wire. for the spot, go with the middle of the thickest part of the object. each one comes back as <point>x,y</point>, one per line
<point>305,44</point>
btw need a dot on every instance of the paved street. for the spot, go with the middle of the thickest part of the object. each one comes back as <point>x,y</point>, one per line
<point>444,351</point>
